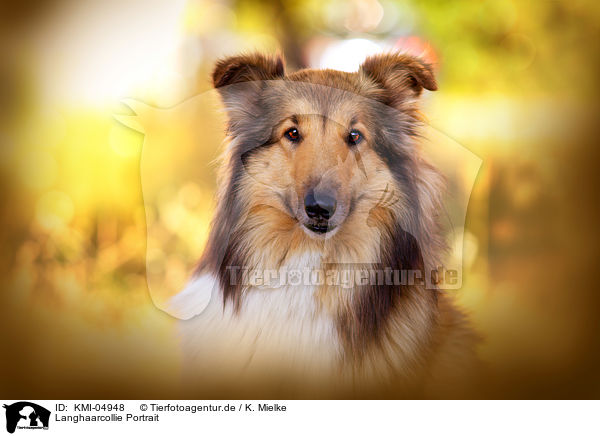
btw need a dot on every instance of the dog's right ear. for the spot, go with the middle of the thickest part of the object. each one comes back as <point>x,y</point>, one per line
<point>247,68</point>
<point>402,76</point>
<point>240,81</point>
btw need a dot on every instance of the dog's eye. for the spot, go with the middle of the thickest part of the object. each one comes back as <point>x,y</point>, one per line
<point>292,134</point>
<point>354,137</point>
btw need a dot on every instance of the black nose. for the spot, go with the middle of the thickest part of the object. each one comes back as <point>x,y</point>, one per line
<point>319,206</point>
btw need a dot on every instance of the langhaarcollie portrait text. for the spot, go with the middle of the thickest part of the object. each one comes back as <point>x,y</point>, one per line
<point>316,280</point>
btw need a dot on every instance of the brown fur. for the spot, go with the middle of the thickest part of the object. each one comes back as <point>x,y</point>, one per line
<point>399,339</point>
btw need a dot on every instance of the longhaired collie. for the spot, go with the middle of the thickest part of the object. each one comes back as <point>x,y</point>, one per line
<point>316,278</point>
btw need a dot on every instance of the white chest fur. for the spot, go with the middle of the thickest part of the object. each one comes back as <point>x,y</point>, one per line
<point>278,329</point>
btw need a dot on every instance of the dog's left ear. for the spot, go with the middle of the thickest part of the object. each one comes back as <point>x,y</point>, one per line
<point>240,81</point>
<point>403,76</point>
<point>247,68</point>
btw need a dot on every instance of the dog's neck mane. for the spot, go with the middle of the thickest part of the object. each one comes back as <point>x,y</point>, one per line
<point>363,319</point>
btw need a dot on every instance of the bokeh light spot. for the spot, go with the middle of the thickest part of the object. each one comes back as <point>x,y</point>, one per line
<point>54,210</point>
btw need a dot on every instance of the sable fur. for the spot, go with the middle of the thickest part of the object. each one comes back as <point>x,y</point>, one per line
<point>384,339</point>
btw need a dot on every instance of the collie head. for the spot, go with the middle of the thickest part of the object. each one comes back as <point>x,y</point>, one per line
<point>322,170</point>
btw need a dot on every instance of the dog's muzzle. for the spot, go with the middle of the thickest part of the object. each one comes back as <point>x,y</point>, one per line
<point>319,208</point>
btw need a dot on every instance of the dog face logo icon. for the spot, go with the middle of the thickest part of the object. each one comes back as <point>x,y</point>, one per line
<point>26,415</point>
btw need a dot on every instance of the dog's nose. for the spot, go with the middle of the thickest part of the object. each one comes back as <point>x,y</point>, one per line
<point>319,206</point>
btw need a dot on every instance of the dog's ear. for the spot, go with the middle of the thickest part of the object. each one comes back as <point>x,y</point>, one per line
<point>240,81</point>
<point>403,76</point>
<point>247,68</point>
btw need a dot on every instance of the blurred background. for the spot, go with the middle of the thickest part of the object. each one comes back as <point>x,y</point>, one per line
<point>518,88</point>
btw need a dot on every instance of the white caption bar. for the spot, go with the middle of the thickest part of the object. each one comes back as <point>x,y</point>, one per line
<point>23,417</point>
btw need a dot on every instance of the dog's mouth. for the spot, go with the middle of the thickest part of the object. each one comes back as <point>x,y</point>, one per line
<point>320,227</point>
